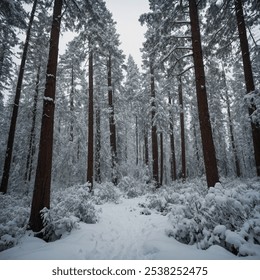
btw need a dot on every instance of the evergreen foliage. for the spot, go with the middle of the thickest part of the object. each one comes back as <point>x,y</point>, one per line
<point>93,127</point>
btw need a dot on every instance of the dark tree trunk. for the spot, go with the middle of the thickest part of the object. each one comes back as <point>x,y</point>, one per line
<point>172,145</point>
<point>31,148</point>
<point>208,147</point>
<point>90,125</point>
<point>11,135</point>
<point>42,186</point>
<point>249,80</point>
<point>162,158</point>
<point>196,148</point>
<point>154,132</point>
<point>98,147</point>
<point>125,149</point>
<point>136,141</point>
<point>72,105</point>
<point>231,131</point>
<point>183,151</point>
<point>146,148</point>
<point>112,124</point>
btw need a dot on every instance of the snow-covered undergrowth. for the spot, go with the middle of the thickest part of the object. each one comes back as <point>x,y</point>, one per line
<point>132,187</point>
<point>227,215</point>
<point>13,219</point>
<point>69,207</point>
<point>252,99</point>
<point>105,192</point>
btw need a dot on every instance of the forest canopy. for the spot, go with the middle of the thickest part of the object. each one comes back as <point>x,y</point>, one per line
<point>90,116</point>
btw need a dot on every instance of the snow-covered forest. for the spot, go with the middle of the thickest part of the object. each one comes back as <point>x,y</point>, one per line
<point>103,159</point>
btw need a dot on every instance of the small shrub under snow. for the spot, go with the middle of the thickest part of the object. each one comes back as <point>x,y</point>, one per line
<point>252,99</point>
<point>106,192</point>
<point>227,216</point>
<point>132,187</point>
<point>69,207</point>
<point>13,219</point>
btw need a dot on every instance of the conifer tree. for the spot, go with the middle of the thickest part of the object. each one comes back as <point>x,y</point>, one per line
<point>112,125</point>
<point>11,135</point>
<point>182,127</point>
<point>205,125</point>
<point>249,80</point>
<point>155,156</point>
<point>42,186</point>
<point>90,163</point>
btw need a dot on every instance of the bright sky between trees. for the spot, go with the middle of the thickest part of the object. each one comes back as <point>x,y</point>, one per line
<point>126,13</point>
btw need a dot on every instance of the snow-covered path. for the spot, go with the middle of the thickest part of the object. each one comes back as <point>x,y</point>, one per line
<point>122,233</point>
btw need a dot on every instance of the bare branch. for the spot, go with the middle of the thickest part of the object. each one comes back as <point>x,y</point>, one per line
<point>185,70</point>
<point>182,22</point>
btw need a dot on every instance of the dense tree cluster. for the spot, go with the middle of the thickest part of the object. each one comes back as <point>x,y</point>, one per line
<point>90,115</point>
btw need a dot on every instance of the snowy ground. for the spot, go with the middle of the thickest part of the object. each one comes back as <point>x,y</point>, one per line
<point>122,233</point>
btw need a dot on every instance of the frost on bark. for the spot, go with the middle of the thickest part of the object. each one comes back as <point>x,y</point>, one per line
<point>90,168</point>
<point>162,159</point>
<point>146,148</point>
<point>172,144</point>
<point>208,147</point>
<point>32,146</point>
<point>155,160</point>
<point>112,125</point>
<point>183,151</point>
<point>42,186</point>
<point>98,146</point>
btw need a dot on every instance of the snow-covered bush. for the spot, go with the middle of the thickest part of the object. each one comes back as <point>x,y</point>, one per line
<point>75,201</point>
<point>55,226</point>
<point>106,192</point>
<point>227,215</point>
<point>253,101</point>
<point>13,219</point>
<point>132,187</point>
<point>165,197</point>
<point>68,208</point>
<point>159,203</point>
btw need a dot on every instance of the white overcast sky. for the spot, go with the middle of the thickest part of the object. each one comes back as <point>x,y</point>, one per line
<point>126,13</point>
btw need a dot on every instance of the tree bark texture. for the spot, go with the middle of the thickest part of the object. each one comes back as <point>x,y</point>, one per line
<point>231,130</point>
<point>172,145</point>
<point>42,186</point>
<point>162,159</point>
<point>112,124</point>
<point>98,147</point>
<point>183,151</point>
<point>90,167</point>
<point>11,135</point>
<point>232,138</point>
<point>249,80</point>
<point>72,105</point>
<point>155,159</point>
<point>146,148</point>
<point>208,147</point>
<point>136,141</point>
<point>31,148</point>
